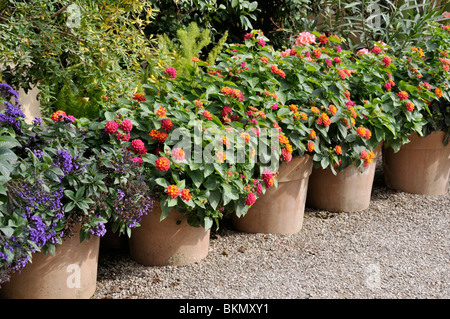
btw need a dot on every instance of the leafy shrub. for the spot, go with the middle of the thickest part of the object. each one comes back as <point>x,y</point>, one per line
<point>66,178</point>
<point>65,50</point>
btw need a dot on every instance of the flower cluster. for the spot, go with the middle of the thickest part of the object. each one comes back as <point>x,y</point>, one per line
<point>234,93</point>
<point>12,116</point>
<point>170,72</point>
<point>158,135</point>
<point>305,38</point>
<point>61,116</point>
<point>278,71</point>
<point>130,200</point>
<point>121,128</point>
<point>49,195</point>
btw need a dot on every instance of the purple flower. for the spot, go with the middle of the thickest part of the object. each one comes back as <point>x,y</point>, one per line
<point>99,230</point>
<point>37,153</point>
<point>6,91</point>
<point>10,117</point>
<point>37,121</point>
<point>120,195</point>
<point>64,161</point>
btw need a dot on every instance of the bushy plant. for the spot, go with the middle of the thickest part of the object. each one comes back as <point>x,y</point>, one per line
<point>186,154</point>
<point>177,53</point>
<point>392,106</point>
<point>427,67</point>
<point>62,182</point>
<point>317,77</point>
<point>397,23</point>
<point>219,17</point>
<point>64,49</point>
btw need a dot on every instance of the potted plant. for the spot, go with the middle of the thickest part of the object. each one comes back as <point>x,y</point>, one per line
<point>53,209</point>
<point>318,78</point>
<point>184,150</point>
<point>246,92</point>
<point>422,165</point>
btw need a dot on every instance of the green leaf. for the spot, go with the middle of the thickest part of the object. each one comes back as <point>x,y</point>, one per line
<point>197,177</point>
<point>165,209</point>
<point>8,231</point>
<point>208,222</point>
<point>172,202</point>
<point>325,162</point>
<point>214,198</point>
<point>211,182</point>
<point>70,194</point>
<point>80,193</point>
<point>209,168</point>
<point>162,182</point>
<point>379,134</point>
<point>229,193</point>
<point>69,206</point>
<point>334,39</point>
<point>241,209</point>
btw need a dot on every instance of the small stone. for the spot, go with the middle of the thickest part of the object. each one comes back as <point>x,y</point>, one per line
<point>243,248</point>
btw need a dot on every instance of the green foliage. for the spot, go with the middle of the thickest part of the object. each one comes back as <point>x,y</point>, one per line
<point>61,175</point>
<point>431,60</point>
<point>398,23</point>
<point>191,42</point>
<point>280,20</point>
<point>7,157</point>
<point>218,16</point>
<point>70,100</point>
<point>89,48</point>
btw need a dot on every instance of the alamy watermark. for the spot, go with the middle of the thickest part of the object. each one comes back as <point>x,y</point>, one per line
<point>74,17</point>
<point>74,279</point>
<point>373,276</point>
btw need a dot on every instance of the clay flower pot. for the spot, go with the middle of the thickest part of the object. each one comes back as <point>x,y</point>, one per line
<point>280,210</point>
<point>171,241</point>
<point>70,274</point>
<point>348,191</point>
<point>421,166</point>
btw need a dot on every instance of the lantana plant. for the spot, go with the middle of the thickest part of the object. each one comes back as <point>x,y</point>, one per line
<point>228,117</point>
<point>390,106</point>
<point>186,156</point>
<point>429,70</point>
<point>317,79</point>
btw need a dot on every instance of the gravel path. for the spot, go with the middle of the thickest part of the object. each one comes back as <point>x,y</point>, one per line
<point>398,248</point>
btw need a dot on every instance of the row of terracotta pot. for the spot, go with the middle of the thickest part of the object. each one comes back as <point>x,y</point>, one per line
<point>421,167</point>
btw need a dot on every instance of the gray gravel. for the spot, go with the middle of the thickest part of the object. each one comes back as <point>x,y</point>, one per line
<point>398,248</point>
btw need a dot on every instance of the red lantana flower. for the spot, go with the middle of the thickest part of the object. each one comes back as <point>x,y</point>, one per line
<point>138,146</point>
<point>139,97</point>
<point>126,125</point>
<point>173,191</point>
<point>402,95</point>
<point>111,127</point>
<point>166,125</point>
<point>186,194</point>
<point>162,164</point>
<point>251,199</point>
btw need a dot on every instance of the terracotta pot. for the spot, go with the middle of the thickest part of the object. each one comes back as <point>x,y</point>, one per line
<point>420,167</point>
<point>171,241</point>
<point>70,274</point>
<point>348,191</point>
<point>280,210</point>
